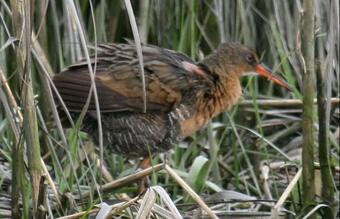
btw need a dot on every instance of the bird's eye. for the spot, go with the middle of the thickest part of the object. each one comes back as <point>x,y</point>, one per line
<point>250,58</point>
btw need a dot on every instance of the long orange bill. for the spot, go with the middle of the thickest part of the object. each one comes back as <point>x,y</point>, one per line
<point>264,71</point>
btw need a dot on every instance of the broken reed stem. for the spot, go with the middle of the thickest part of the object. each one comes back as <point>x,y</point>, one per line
<point>285,194</point>
<point>191,192</point>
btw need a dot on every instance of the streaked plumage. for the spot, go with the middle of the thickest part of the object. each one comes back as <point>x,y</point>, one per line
<point>181,95</point>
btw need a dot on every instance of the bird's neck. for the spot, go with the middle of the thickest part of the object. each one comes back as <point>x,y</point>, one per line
<point>222,95</point>
<point>226,89</point>
<point>219,97</point>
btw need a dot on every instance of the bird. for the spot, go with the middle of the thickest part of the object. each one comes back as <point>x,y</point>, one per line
<point>182,95</point>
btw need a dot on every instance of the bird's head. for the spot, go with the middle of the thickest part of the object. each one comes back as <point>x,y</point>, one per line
<point>235,58</point>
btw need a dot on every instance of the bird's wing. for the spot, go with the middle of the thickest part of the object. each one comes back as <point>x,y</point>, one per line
<point>168,76</point>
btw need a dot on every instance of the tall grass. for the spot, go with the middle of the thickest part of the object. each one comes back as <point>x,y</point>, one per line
<point>254,149</point>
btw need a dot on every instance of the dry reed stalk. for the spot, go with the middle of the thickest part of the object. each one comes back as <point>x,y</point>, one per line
<point>283,102</point>
<point>128,179</point>
<point>191,192</point>
<point>285,194</point>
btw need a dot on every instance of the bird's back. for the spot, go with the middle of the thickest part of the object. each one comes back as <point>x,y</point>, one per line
<point>170,96</point>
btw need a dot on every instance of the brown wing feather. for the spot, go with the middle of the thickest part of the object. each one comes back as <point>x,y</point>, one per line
<point>118,80</point>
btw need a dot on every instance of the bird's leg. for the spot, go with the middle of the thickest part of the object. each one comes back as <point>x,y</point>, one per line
<point>145,163</point>
<point>144,183</point>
